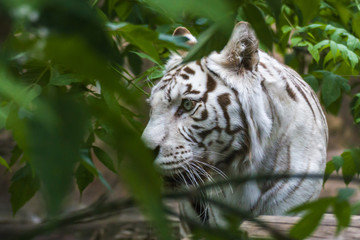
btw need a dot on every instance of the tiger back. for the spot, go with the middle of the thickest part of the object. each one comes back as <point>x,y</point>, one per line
<point>238,112</point>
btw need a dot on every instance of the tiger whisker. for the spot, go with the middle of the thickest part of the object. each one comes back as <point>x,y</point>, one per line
<point>196,173</point>
<point>207,175</point>
<point>217,170</point>
<point>191,177</point>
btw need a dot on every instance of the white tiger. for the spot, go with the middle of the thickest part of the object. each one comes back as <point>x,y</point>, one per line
<point>238,112</point>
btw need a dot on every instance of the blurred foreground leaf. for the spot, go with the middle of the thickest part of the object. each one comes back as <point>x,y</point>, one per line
<point>54,147</point>
<point>24,185</point>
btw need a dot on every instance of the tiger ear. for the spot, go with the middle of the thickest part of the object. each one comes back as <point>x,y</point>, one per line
<point>241,51</point>
<point>184,32</point>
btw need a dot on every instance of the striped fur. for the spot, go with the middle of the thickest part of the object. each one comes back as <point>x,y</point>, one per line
<point>251,115</point>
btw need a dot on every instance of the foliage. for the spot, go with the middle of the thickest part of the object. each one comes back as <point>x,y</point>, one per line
<point>72,82</point>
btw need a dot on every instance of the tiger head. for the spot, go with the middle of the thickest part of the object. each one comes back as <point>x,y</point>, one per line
<point>207,117</point>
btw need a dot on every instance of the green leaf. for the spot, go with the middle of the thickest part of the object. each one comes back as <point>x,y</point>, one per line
<point>329,169</point>
<point>355,108</point>
<point>104,158</point>
<point>311,219</point>
<point>262,30</point>
<point>348,168</point>
<point>4,163</point>
<point>83,178</point>
<point>344,194</point>
<point>342,208</point>
<point>275,7</point>
<point>143,55</point>
<point>55,134</point>
<point>312,81</point>
<point>173,41</point>
<point>348,55</point>
<point>135,63</point>
<point>333,49</point>
<point>332,87</point>
<point>338,162</point>
<point>355,209</point>
<point>23,187</point>
<point>286,28</point>
<point>355,24</point>
<point>15,155</point>
<point>63,79</point>
<point>78,18</point>
<point>123,9</point>
<point>355,153</point>
<point>309,9</point>
<point>87,162</point>
<point>352,42</point>
<point>155,74</point>
<point>342,212</point>
<point>4,112</point>
<point>295,41</point>
<point>18,93</point>
<point>322,45</point>
<point>212,39</point>
<point>140,36</point>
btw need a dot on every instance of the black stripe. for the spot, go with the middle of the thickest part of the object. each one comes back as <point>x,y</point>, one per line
<point>290,92</point>
<point>189,70</point>
<point>306,99</point>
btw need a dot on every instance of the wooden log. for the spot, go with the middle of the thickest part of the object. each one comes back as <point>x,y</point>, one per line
<point>326,229</point>
<point>132,225</point>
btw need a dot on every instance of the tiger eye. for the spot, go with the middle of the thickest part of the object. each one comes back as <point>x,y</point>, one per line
<point>187,104</point>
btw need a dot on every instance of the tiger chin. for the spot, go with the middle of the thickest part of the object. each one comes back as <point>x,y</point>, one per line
<point>237,112</point>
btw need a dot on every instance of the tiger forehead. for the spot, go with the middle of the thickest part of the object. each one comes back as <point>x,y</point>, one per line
<point>183,72</point>
<point>181,80</point>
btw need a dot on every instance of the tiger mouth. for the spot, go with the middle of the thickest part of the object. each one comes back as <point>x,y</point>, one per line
<point>177,180</point>
<point>181,177</point>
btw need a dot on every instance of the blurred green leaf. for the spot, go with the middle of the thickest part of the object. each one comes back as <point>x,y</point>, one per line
<point>212,39</point>
<point>62,79</point>
<point>78,19</point>
<point>4,163</point>
<point>104,158</point>
<point>309,9</point>
<point>89,165</point>
<point>355,25</point>
<point>4,112</point>
<point>355,108</point>
<point>329,169</point>
<point>344,194</point>
<point>15,155</point>
<point>355,209</point>
<point>311,219</point>
<point>332,87</point>
<point>275,6</point>
<point>143,55</point>
<point>342,208</point>
<point>140,36</point>
<point>312,81</point>
<point>338,162</point>
<point>212,9</point>
<point>83,178</point>
<point>348,168</point>
<point>53,147</point>
<point>24,185</point>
